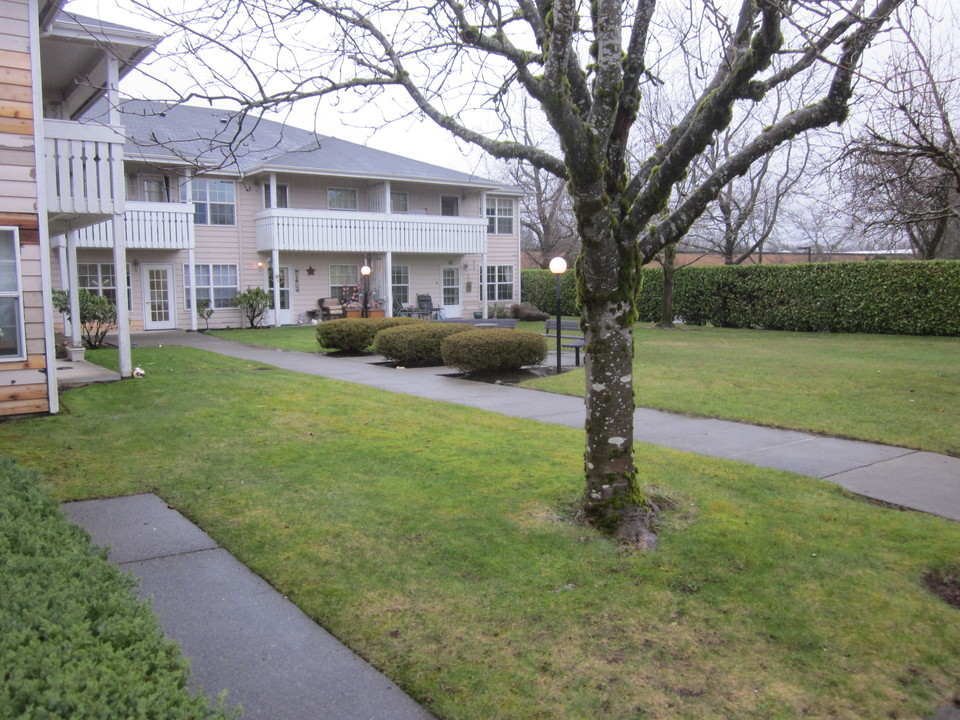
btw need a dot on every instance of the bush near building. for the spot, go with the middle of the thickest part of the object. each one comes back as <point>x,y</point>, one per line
<point>74,642</point>
<point>357,334</point>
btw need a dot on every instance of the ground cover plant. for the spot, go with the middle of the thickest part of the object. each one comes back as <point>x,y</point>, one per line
<point>434,540</point>
<point>893,389</point>
<point>74,642</point>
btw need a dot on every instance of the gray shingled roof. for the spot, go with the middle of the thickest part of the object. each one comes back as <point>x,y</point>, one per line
<point>160,132</point>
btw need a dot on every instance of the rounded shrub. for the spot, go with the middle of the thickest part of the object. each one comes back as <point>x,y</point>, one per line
<point>416,345</point>
<point>357,334</point>
<point>493,349</point>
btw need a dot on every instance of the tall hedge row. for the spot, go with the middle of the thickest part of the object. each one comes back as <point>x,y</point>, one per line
<point>74,642</point>
<point>908,298</point>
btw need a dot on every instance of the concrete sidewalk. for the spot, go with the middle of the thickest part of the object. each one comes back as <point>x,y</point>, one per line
<point>919,480</point>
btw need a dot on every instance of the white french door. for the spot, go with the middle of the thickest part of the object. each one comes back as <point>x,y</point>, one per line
<point>158,297</point>
<point>286,311</point>
<point>450,291</point>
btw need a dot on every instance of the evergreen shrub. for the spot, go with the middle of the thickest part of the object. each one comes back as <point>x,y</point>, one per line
<point>493,349</point>
<point>539,289</point>
<point>74,642</point>
<point>416,345</point>
<point>357,334</point>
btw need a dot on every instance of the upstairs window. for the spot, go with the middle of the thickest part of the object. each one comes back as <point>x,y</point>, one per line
<point>12,345</point>
<point>342,198</point>
<point>282,194</point>
<point>214,202</point>
<point>398,202</point>
<point>160,189</point>
<point>450,205</point>
<point>499,216</point>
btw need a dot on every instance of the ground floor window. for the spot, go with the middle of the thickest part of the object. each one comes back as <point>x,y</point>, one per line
<point>344,282</point>
<point>12,345</point>
<point>400,282</point>
<point>217,284</point>
<point>499,282</point>
<point>100,279</point>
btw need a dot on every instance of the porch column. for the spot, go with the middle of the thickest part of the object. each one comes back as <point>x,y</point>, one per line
<point>388,284</point>
<point>273,190</point>
<point>123,313</point>
<point>275,272</point>
<point>192,274</point>
<point>64,281</point>
<point>73,287</point>
<point>387,205</point>
<point>483,259</point>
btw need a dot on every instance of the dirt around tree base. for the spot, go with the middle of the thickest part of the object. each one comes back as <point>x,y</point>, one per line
<point>639,528</point>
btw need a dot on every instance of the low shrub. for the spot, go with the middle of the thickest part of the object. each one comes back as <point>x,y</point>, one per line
<point>493,349</point>
<point>418,345</point>
<point>527,313</point>
<point>357,334</point>
<point>74,642</point>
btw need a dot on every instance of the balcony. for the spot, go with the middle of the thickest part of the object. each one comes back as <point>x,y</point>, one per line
<point>84,166</point>
<point>344,231</point>
<point>149,226</point>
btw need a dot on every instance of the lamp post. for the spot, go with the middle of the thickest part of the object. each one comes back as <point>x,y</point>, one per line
<point>558,266</point>
<point>365,271</point>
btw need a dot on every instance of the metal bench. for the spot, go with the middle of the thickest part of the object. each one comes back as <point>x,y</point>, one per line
<point>570,336</point>
<point>510,323</point>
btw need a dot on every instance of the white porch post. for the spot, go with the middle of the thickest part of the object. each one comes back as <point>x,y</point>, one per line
<point>273,190</point>
<point>483,259</point>
<point>119,229</point>
<point>73,287</point>
<point>275,271</point>
<point>387,205</point>
<point>388,284</point>
<point>192,272</point>
<point>64,281</point>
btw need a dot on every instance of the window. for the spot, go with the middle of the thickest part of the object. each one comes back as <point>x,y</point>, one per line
<point>160,188</point>
<point>341,199</point>
<point>217,284</point>
<point>99,279</point>
<point>400,282</point>
<point>213,202</point>
<point>12,346</point>
<point>398,202</point>
<point>344,281</point>
<point>282,193</point>
<point>450,205</point>
<point>499,282</point>
<point>499,216</point>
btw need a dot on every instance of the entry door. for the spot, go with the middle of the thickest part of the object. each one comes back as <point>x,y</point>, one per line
<point>286,311</point>
<point>451,291</point>
<point>158,297</point>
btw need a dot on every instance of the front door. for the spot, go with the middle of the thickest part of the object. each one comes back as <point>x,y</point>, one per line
<point>451,292</point>
<point>158,297</point>
<point>286,311</point>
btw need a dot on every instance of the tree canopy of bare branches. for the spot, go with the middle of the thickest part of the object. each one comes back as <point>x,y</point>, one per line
<point>465,65</point>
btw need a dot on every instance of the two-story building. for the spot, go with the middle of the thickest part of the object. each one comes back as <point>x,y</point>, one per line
<point>55,173</point>
<point>215,205</point>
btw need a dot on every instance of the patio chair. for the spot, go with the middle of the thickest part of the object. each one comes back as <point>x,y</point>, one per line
<point>330,309</point>
<point>400,311</point>
<point>426,308</point>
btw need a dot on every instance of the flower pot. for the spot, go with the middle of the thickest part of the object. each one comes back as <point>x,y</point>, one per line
<point>74,354</point>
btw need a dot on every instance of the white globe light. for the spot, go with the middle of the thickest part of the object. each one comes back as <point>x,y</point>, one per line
<point>365,270</point>
<point>558,266</point>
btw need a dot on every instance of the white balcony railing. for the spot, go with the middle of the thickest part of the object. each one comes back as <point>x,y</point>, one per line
<point>148,226</point>
<point>84,163</point>
<point>343,231</point>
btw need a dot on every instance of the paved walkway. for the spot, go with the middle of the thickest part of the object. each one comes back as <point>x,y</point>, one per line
<point>242,635</point>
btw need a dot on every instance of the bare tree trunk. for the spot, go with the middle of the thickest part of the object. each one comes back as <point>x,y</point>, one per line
<point>669,268</point>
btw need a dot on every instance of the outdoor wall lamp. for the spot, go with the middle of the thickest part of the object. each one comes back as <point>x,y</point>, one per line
<point>558,266</point>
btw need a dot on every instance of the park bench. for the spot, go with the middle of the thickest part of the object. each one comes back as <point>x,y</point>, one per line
<point>510,323</point>
<point>570,335</point>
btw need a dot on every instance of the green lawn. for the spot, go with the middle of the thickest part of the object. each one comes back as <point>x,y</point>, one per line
<point>435,541</point>
<point>893,389</point>
<point>302,338</point>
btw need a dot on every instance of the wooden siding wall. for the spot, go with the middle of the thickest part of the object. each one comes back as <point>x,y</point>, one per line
<point>23,384</point>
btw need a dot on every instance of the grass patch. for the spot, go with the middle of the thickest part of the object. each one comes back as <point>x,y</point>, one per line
<point>300,338</point>
<point>430,538</point>
<point>893,389</point>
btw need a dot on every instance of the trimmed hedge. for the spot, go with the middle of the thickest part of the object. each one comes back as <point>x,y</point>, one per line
<point>74,641</point>
<point>907,298</point>
<point>493,349</point>
<point>417,345</point>
<point>357,334</point>
<point>539,288</point>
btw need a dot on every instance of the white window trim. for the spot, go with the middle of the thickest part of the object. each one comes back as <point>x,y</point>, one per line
<point>18,294</point>
<point>498,205</point>
<point>195,183</point>
<point>394,285</point>
<point>101,287</point>
<point>211,286</point>
<point>353,191</point>
<point>493,287</point>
